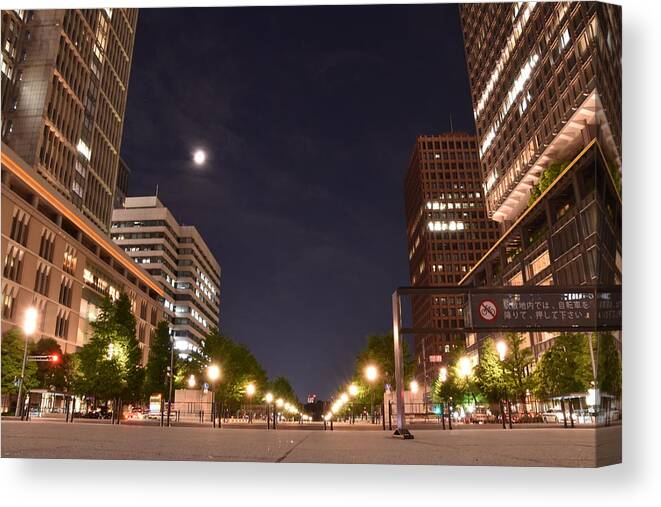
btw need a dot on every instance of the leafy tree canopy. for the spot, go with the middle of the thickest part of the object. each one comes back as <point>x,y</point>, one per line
<point>13,346</point>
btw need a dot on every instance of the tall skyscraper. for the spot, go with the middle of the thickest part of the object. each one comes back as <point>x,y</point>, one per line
<point>448,232</point>
<point>64,82</point>
<point>546,87</point>
<point>545,80</point>
<point>178,259</point>
<point>65,76</point>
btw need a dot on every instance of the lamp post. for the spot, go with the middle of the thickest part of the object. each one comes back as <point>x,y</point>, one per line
<point>29,327</point>
<point>353,391</point>
<point>279,403</point>
<point>213,374</point>
<point>250,391</point>
<point>442,377</point>
<point>501,348</point>
<point>171,374</point>
<point>269,400</point>
<point>465,370</point>
<point>371,374</point>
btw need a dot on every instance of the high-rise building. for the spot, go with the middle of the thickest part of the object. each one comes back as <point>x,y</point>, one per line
<point>122,187</point>
<point>65,76</point>
<point>546,87</point>
<point>448,232</point>
<point>545,80</point>
<point>57,261</point>
<point>64,82</point>
<point>179,259</point>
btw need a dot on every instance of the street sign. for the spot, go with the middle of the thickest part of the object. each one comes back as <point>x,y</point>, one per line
<point>488,310</point>
<point>552,311</point>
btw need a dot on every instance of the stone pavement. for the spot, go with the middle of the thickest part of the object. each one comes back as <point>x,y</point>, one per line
<point>580,447</point>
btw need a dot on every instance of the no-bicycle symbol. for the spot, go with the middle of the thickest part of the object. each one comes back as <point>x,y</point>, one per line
<point>488,310</point>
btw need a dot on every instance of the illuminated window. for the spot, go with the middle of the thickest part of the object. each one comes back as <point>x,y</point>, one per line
<point>540,263</point>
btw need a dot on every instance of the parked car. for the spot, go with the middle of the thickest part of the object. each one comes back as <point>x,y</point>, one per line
<point>553,416</point>
<point>482,415</point>
<point>136,413</point>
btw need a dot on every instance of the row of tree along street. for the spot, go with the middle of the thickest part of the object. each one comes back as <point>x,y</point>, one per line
<point>108,368</point>
<point>506,374</point>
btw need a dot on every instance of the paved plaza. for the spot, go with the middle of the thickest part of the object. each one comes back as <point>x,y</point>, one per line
<point>580,447</point>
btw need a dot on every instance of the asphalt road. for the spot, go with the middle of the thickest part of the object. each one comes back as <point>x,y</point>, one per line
<point>580,447</point>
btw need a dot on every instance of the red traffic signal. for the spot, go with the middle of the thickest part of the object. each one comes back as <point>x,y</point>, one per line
<point>54,358</point>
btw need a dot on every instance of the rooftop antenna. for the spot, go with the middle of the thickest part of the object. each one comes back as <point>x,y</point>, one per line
<point>451,127</point>
<point>156,190</point>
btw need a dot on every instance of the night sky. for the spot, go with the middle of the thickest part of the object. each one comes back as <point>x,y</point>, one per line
<point>308,116</point>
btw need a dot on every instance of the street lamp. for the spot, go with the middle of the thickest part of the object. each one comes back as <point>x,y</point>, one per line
<point>353,392</point>
<point>501,347</point>
<point>29,327</point>
<point>191,381</point>
<point>250,390</point>
<point>465,367</point>
<point>443,377</point>
<point>414,386</point>
<point>371,374</point>
<point>268,398</point>
<point>213,374</point>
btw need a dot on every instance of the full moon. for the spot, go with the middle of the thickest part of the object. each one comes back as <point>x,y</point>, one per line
<point>199,157</point>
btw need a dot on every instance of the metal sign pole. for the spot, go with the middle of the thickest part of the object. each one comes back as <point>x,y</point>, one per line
<point>401,430</point>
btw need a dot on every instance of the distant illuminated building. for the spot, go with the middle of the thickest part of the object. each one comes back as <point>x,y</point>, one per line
<point>448,232</point>
<point>178,259</point>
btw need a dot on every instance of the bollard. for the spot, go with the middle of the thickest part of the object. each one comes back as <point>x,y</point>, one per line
<point>331,421</point>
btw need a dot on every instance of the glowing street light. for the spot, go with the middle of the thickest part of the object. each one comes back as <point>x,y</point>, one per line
<point>344,397</point>
<point>414,386</point>
<point>213,374</point>
<point>353,390</point>
<point>501,347</point>
<point>30,322</point>
<point>465,367</point>
<point>371,373</point>
<point>443,374</point>
<point>191,381</point>
<point>268,398</point>
<point>279,402</point>
<point>250,391</point>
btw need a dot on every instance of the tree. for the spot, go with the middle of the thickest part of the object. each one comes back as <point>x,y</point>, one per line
<point>13,346</point>
<point>238,366</point>
<point>49,374</point>
<point>380,352</point>
<point>609,370</point>
<point>564,369</point>
<point>462,390</point>
<point>280,387</point>
<point>516,364</point>
<point>110,362</point>
<point>158,363</point>
<point>490,374</point>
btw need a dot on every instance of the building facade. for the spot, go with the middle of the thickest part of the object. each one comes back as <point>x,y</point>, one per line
<point>448,231</point>
<point>546,88</point>
<point>56,260</point>
<point>178,259</point>
<point>545,80</point>
<point>65,76</point>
